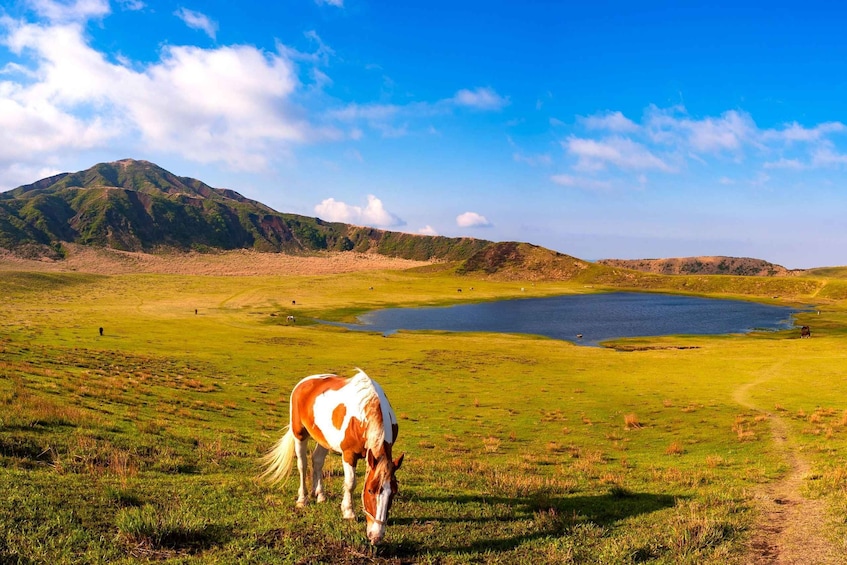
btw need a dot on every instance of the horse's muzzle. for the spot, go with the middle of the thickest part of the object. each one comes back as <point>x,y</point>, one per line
<point>375,535</point>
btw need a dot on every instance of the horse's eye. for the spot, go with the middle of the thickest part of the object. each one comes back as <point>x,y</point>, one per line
<point>370,491</point>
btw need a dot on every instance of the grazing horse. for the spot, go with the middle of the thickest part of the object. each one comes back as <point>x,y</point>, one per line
<point>351,417</point>
<point>805,331</point>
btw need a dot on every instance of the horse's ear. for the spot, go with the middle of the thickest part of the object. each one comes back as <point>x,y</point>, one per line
<point>371,459</point>
<point>399,461</point>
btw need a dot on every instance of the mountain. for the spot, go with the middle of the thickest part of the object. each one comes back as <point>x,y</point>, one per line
<point>744,266</point>
<point>138,206</point>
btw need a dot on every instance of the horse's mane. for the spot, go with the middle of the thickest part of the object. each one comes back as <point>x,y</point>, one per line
<point>369,399</point>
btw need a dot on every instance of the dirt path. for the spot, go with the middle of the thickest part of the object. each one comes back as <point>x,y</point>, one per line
<point>791,528</point>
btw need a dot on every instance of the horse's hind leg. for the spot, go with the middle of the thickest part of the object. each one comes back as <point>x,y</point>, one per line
<point>318,458</point>
<point>301,448</point>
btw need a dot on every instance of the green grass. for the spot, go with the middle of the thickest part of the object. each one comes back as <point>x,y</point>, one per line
<point>144,443</point>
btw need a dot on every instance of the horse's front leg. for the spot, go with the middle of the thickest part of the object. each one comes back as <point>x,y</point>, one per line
<point>318,458</point>
<point>301,448</point>
<point>349,485</point>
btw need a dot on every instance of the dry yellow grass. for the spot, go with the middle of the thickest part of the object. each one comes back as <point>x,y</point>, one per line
<point>238,262</point>
<point>630,422</point>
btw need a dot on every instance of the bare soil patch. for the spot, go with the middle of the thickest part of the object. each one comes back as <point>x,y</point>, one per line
<point>239,262</point>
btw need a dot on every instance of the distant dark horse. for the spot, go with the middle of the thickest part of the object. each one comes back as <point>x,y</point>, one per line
<point>805,331</point>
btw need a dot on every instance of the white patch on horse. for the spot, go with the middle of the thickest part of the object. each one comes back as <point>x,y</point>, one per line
<point>325,404</point>
<point>388,418</point>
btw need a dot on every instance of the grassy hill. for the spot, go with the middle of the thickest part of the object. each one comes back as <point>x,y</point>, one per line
<point>715,265</point>
<point>138,206</point>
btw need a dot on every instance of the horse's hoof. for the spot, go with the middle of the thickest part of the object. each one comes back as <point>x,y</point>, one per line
<point>301,504</point>
<point>349,516</point>
<point>321,498</point>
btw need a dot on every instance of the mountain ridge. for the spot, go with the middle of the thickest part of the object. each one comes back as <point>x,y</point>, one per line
<point>138,206</point>
<point>703,265</point>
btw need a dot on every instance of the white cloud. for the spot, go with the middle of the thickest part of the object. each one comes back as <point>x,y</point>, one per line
<point>427,230</point>
<point>196,20</point>
<point>79,10</point>
<point>593,155</point>
<point>728,132</point>
<point>794,132</point>
<point>581,182</point>
<point>336,3</point>
<point>480,99</point>
<point>79,100</point>
<point>670,140</point>
<point>472,220</point>
<point>612,121</point>
<point>132,5</point>
<point>373,214</point>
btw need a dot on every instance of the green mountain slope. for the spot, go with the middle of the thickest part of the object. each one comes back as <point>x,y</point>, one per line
<point>138,206</point>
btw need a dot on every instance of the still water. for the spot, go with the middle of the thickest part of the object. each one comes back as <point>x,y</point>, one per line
<point>597,317</point>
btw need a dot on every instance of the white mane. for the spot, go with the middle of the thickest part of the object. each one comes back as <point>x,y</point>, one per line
<point>369,395</point>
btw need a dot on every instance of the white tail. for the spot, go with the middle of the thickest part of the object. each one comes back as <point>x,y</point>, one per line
<point>280,459</point>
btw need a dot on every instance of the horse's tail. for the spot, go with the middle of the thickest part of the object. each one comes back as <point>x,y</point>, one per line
<point>280,459</point>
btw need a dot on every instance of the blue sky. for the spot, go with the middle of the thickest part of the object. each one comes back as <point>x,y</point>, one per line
<point>601,129</point>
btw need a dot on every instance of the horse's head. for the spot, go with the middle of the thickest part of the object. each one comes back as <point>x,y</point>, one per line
<point>378,493</point>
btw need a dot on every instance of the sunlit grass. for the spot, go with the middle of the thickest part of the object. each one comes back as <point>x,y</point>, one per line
<point>144,443</point>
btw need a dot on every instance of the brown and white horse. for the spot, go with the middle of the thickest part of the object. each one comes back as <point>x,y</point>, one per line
<point>348,416</point>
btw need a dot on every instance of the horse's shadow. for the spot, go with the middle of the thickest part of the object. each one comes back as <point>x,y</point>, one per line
<point>552,516</point>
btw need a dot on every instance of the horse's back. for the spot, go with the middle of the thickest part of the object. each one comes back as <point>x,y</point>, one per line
<point>329,408</point>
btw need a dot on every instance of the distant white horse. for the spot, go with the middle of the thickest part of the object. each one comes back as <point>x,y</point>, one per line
<point>290,319</point>
<point>348,416</point>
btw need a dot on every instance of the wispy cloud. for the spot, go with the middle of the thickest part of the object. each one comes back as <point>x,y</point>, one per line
<point>472,220</point>
<point>396,120</point>
<point>669,140</point>
<point>372,214</point>
<point>196,20</point>
<point>480,99</point>
<point>794,164</point>
<point>543,159</point>
<point>581,182</point>
<point>827,157</point>
<point>612,121</point>
<point>336,3</point>
<point>427,230</point>
<point>593,155</point>
<point>794,132</point>
<point>75,11</point>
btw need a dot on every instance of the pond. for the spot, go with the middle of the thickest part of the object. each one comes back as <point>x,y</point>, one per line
<point>595,317</point>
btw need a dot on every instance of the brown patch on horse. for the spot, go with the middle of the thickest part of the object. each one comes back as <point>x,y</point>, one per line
<point>353,444</point>
<point>303,406</point>
<point>338,415</point>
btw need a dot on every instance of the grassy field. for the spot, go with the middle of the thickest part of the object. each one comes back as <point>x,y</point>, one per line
<point>144,443</point>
